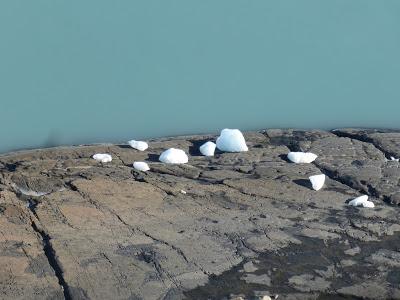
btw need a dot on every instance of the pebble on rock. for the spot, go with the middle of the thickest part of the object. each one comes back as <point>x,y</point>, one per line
<point>174,156</point>
<point>231,140</point>
<point>102,157</point>
<point>317,181</point>
<point>362,201</point>
<point>208,149</point>
<point>141,166</point>
<point>301,157</point>
<point>138,145</point>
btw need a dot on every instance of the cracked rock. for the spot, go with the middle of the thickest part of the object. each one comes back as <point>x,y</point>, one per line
<point>243,224</point>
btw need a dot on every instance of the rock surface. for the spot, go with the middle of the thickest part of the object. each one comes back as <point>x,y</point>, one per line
<point>248,225</point>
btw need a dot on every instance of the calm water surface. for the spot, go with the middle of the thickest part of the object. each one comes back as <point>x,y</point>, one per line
<point>105,71</point>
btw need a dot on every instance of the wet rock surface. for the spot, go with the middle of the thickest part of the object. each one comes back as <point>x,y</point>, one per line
<point>233,225</point>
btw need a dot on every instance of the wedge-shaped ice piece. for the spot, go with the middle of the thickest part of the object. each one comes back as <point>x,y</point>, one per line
<point>174,156</point>
<point>301,157</point>
<point>362,201</point>
<point>103,157</point>
<point>231,140</point>
<point>141,166</point>
<point>317,181</point>
<point>208,149</point>
<point>138,145</point>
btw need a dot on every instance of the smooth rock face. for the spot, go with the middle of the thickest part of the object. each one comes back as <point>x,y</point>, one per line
<point>233,225</point>
<point>102,157</point>
<point>174,156</point>
<point>138,145</point>
<point>208,148</point>
<point>141,166</point>
<point>317,181</point>
<point>231,140</point>
<point>301,157</point>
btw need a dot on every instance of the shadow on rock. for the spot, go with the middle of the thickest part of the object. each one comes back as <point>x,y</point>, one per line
<point>194,150</point>
<point>153,158</point>
<point>303,182</point>
<point>284,158</point>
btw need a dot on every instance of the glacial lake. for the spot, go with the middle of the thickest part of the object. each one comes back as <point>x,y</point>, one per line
<point>74,72</point>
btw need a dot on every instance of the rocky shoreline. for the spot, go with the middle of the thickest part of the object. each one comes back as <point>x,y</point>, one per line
<point>233,225</point>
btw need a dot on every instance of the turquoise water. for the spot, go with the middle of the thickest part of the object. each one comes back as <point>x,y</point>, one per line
<point>105,71</point>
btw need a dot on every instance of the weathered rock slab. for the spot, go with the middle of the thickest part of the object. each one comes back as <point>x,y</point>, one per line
<point>233,225</point>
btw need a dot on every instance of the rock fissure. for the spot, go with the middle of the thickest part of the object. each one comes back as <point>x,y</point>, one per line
<point>334,176</point>
<point>365,139</point>
<point>52,260</point>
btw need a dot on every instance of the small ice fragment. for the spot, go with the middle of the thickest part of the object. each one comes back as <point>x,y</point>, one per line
<point>359,200</point>
<point>208,149</point>
<point>393,158</point>
<point>183,192</point>
<point>138,145</point>
<point>301,157</point>
<point>317,181</point>
<point>369,204</point>
<point>270,298</point>
<point>231,140</point>
<point>174,156</point>
<point>104,158</point>
<point>362,201</point>
<point>141,166</point>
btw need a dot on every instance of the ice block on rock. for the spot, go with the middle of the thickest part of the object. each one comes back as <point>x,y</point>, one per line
<point>102,157</point>
<point>138,145</point>
<point>141,166</point>
<point>174,156</point>
<point>208,149</point>
<point>231,140</point>
<point>301,157</point>
<point>362,201</point>
<point>317,181</point>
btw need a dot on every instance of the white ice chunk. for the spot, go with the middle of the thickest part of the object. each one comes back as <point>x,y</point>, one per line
<point>393,158</point>
<point>301,157</point>
<point>362,201</point>
<point>270,297</point>
<point>369,204</point>
<point>317,181</point>
<point>231,140</point>
<point>208,149</point>
<point>104,158</point>
<point>141,166</point>
<point>174,156</point>
<point>138,145</point>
